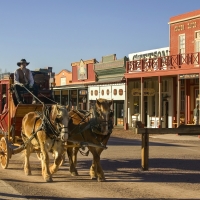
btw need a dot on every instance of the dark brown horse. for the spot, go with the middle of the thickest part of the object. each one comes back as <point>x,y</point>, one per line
<point>46,132</point>
<point>92,128</point>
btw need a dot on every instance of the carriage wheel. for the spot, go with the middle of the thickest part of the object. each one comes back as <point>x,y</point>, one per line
<point>4,152</point>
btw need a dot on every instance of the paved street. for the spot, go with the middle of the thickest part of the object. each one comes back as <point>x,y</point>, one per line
<point>173,173</point>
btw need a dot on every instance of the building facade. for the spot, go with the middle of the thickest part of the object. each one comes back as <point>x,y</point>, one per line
<point>110,85</point>
<point>75,93</point>
<point>164,90</point>
<point>64,77</point>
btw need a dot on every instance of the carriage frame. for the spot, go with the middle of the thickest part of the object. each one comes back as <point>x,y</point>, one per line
<point>12,113</point>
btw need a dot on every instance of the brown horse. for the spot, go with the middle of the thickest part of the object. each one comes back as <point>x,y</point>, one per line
<point>94,128</point>
<point>46,132</point>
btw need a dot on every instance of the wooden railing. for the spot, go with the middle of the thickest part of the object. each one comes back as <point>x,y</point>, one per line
<point>164,63</point>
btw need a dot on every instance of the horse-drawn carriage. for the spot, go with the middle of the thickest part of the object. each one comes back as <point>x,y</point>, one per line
<point>49,127</point>
<point>12,113</point>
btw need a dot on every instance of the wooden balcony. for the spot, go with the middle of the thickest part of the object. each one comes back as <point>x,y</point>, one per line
<point>180,62</point>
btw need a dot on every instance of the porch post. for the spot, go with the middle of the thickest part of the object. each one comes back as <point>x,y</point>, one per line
<point>142,100</point>
<point>126,106</point>
<point>186,100</point>
<point>178,100</point>
<point>159,100</point>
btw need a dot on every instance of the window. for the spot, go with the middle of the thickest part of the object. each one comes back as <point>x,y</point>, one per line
<point>63,81</point>
<point>182,44</point>
<point>165,86</point>
<point>197,44</point>
<point>196,95</point>
<point>182,47</point>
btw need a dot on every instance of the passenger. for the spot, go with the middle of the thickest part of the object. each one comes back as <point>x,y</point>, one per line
<point>24,77</point>
<point>196,115</point>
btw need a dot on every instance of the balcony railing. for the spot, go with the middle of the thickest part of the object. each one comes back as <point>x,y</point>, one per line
<point>164,63</point>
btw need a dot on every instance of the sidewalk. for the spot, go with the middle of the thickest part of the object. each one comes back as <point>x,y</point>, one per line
<point>176,137</point>
<point>8,192</point>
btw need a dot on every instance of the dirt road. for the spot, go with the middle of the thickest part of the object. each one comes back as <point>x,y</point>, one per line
<point>174,173</point>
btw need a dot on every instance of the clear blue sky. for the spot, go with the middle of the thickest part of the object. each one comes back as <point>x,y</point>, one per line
<point>58,32</point>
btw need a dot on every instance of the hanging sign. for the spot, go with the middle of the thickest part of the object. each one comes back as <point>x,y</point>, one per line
<point>188,76</point>
<point>147,92</point>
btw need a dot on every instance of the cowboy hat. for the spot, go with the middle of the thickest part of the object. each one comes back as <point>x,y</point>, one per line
<point>22,61</point>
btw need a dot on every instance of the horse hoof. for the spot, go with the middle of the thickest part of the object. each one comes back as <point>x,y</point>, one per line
<point>74,173</point>
<point>49,179</point>
<point>101,179</point>
<point>27,173</point>
<point>93,178</point>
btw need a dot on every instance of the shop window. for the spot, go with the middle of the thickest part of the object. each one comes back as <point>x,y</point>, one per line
<point>196,93</point>
<point>115,91</point>
<point>91,92</point>
<point>107,92</point>
<point>96,92</point>
<point>120,92</point>
<point>182,100</point>
<point>102,92</point>
<point>165,86</point>
<point>196,81</point>
<point>182,82</point>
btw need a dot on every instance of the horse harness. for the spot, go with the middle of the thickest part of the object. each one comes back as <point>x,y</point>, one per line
<point>45,126</point>
<point>94,126</point>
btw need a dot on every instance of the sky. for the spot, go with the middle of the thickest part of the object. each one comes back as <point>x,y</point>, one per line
<point>57,33</point>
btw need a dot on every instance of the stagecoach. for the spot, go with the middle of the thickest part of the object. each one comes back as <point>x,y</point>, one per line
<point>12,113</point>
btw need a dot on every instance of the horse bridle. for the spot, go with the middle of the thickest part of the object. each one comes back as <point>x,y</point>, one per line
<point>58,119</point>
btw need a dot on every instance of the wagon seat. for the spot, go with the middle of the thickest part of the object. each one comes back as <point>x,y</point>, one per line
<point>41,79</point>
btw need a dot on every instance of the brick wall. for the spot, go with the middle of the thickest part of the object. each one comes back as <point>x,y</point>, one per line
<point>187,24</point>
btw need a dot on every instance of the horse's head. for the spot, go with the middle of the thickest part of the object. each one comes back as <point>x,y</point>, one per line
<point>104,111</point>
<point>59,114</point>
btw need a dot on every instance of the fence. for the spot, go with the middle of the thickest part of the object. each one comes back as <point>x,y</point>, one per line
<point>181,130</point>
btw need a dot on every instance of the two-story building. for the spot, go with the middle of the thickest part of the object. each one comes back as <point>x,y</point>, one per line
<point>164,89</point>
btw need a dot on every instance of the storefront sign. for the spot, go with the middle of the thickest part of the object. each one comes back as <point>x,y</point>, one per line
<point>154,53</point>
<point>188,76</point>
<point>147,92</point>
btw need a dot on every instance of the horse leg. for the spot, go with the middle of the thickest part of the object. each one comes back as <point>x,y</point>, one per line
<point>58,151</point>
<point>44,157</point>
<point>27,152</point>
<point>96,170</point>
<point>72,155</point>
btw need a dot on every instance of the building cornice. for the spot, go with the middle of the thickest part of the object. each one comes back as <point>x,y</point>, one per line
<point>184,19</point>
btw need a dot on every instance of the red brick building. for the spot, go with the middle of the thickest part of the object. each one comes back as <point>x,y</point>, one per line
<point>185,33</point>
<point>163,91</point>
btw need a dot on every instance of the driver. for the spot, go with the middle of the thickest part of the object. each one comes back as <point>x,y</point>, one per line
<point>24,77</point>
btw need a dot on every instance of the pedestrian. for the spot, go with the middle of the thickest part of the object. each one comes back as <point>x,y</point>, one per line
<point>23,78</point>
<point>196,115</point>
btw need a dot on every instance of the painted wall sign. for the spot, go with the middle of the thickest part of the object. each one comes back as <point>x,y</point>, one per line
<point>82,71</point>
<point>179,27</point>
<point>154,53</point>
